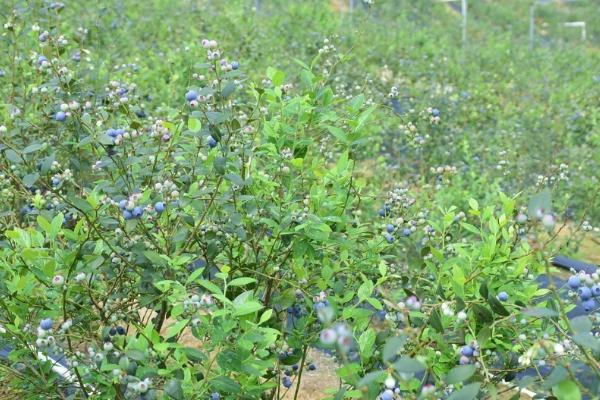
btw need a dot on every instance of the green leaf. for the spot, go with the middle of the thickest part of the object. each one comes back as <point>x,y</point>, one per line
<point>468,392</point>
<point>194,125</point>
<point>497,306</point>
<point>176,328</point>
<point>194,275</point>
<point>408,365</point>
<point>557,375</point>
<point>460,373</point>
<point>365,344</point>
<point>370,378</point>
<point>30,179</point>
<point>173,389</point>
<point>540,312</point>
<point>581,324</point>
<point>435,321</point>
<point>391,347</point>
<point>265,316</point>
<point>586,339</point>
<point>567,390</point>
<point>241,281</point>
<point>483,290</point>
<point>482,314</point>
<point>57,222</point>
<point>228,90</point>
<point>33,147</point>
<point>248,307</point>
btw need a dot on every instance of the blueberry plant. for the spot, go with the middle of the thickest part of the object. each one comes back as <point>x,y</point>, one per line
<point>200,246</point>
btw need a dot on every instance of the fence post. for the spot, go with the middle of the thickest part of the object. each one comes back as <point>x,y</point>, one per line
<point>464,11</point>
<point>532,25</point>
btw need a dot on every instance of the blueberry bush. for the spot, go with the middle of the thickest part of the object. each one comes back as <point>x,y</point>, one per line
<point>196,195</point>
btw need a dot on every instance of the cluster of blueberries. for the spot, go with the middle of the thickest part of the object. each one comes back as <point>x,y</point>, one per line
<point>389,235</point>
<point>467,352</point>
<point>585,293</point>
<point>286,381</point>
<point>114,133</point>
<point>137,211</point>
<point>118,330</point>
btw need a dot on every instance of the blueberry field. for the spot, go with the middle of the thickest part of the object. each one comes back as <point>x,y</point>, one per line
<point>299,199</point>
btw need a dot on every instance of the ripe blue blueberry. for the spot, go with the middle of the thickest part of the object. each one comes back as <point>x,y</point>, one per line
<point>46,324</point>
<point>60,116</point>
<point>389,238</point>
<point>435,112</point>
<point>388,394</point>
<point>112,331</point>
<point>211,142</point>
<point>312,367</point>
<point>502,296</point>
<point>390,228</point>
<point>112,133</point>
<point>159,207</point>
<point>406,232</point>
<point>127,215</point>
<point>55,181</point>
<point>584,293</point>
<point>589,305</point>
<point>215,396</point>
<point>574,282</point>
<point>287,382</point>
<point>466,351</point>
<point>137,212</point>
<point>123,204</point>
<point>191,95</point>
<point>596,290</point>
<point>235,65</point>
<point>120,330</point>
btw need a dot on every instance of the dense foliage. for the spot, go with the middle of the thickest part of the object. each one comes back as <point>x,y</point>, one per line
<point>194,194</point>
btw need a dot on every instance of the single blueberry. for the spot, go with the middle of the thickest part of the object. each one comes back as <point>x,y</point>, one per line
<point>212,142</point>
<point>390,228</point>
<point>120,330</point>
<point>60,116</point>
<point>502,296</point>
<point>406,232</point>
<point>584,293</point>
<point>312,367</point>
<point>137,212</point>
<point>127,215</point>
<point>123,204</point>
<point>389,238</point>
<point>435,112</point>
<point>287,382</point>
<point>112,331</point>
<point>574,282</point>
<point>388,394</point>
<point>215,396</point>
<point>159,207</point>
<point>191,95</point>
<point>235,65</point>
<point>466,351</point>
<point>596,290</point>
<point>589,305</point>
<point>46,324</point>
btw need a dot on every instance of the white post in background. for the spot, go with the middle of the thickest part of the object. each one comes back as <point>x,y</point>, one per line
<point>578,24</point>
<point>532,25</point>
<point>464,11</point>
